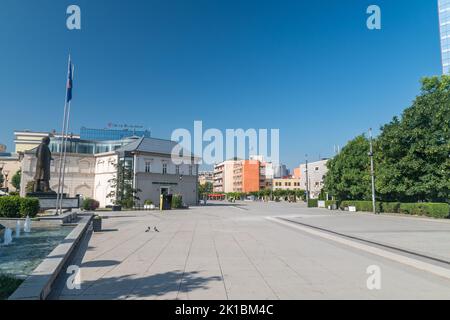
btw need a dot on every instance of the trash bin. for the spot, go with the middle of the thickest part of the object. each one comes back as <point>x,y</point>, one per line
<point>165,202</point>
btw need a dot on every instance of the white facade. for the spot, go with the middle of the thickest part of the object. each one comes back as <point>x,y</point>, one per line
<point>105,171</point>
<point>316,175</point>
<point>92,175</point>
<point>79,177</point>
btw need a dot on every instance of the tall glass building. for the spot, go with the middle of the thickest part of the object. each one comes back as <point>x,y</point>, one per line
<point>444,25</point>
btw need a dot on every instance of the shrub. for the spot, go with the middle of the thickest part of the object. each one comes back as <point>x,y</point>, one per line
<point>90,204</point>
<point>29,207</point>
<point>10,207</point>
<point>313,203</point>
<point>15,181</point>
<point>364,206</point>
<point>390,207</point>
<point>127,203</point>
<point>148,202</point>
<point>14,193</point>
<point>434,210</point>
<point>177,201</point>
<point>8,285</point>
<point>29,187</point>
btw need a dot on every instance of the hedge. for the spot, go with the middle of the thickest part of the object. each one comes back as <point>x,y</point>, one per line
<point>390,207</point>
<point>313,203</point>
<point>434,210</point>
<point>365,206</point>
<point>10,207</point>
<point>29,207</point>
<point>17,207</point>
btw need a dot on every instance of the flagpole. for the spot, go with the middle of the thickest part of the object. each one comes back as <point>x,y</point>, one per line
<point>64,158</point>
<point>66,137</point>
<point>60,157</point>
<point>59,196</point>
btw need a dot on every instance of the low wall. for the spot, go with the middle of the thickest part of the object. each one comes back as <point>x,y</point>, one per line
<point>39,284</point>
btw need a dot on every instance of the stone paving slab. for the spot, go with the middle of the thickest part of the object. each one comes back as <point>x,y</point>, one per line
<point>223,252</point>
<point>424,236</point>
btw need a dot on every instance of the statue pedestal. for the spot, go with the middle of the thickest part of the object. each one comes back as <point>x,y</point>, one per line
<point>44,195</point>
<point>47,200</point>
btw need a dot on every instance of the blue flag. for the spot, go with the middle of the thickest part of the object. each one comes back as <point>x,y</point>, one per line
<point>69,82</point>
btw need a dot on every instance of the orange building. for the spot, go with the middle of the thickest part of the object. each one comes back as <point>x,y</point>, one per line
<point>247,176</point>
<point>297,173</point>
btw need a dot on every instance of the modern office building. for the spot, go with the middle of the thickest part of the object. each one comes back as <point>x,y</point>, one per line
<point>444,26</point>
<point>112,134</point>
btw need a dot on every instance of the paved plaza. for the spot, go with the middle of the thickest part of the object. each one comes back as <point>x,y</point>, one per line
<point>241,251</point>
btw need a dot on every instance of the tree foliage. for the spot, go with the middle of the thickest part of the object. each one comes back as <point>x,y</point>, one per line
<point>122,192</point>
<point>206,188</point>
<point>412,152</point>
<point>348,176</point>
<point>15,181</point>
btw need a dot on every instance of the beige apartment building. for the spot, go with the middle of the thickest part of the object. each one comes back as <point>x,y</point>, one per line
<point>224,176</point>
<point>28,140</point>
<point>205,177</point>
<point>286,184</point>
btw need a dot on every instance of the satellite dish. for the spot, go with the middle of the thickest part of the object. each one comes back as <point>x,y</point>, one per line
<point>2,148</point>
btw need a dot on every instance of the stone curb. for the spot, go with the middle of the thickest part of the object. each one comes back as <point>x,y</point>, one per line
<point>39,284</point>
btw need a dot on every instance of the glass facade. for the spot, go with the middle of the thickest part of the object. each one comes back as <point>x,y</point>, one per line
<point>86,147</point>
<point>444,24</point>
<point>111,134</point>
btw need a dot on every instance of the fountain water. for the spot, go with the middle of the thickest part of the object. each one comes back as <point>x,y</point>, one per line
<point>7,237</point>
<point>18,227</point>
<point>27,225</point>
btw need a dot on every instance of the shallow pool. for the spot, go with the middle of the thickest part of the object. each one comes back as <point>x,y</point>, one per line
<point>25,253</point>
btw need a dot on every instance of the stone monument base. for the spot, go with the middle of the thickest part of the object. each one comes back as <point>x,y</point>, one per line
<point>47,200</point>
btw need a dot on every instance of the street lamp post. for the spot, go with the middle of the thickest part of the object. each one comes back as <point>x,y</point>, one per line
<point>307,180</point>
<point>372,171</point>
<point>6,173</point>
<point>2,165</point>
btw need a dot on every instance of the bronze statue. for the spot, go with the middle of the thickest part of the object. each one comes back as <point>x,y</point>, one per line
<point>44,158</point>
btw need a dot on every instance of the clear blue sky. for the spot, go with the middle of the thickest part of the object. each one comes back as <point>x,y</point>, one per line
<point>310,68</point>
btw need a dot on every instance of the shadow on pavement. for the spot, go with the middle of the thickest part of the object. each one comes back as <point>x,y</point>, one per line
<point>165,285</point>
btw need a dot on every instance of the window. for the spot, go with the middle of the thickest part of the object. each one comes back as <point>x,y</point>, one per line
<point>164,168</point>
<point>190,170</point>
<point>148,166</point>
<point>177,169</point>
<point>316,168</point>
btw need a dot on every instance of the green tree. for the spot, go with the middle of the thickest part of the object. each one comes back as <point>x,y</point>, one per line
<point>412,158</point>
<point>122,191</point>
<point>206,188</point>
<point>348,176</point>
<point>15,180</point>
